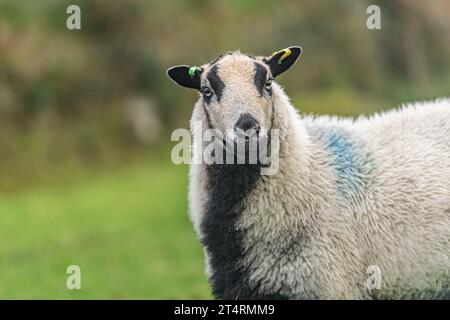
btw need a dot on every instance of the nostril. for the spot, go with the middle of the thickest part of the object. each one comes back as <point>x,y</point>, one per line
<point>247,122</point>
<point>247,125</point>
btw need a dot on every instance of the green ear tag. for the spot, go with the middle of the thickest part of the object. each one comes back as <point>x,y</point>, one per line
<point>192,71</point>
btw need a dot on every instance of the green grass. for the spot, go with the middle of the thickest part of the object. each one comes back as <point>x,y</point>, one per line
<point>128,231</point>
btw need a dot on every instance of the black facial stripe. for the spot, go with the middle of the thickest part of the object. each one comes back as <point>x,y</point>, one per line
<point>260,77</point>
<point>216,83</point>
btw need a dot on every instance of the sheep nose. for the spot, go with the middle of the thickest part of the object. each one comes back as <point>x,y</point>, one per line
<point>247,122</point>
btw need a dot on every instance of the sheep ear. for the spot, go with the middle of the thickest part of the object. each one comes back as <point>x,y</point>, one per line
<point>282,60</point>
<point>186,76</point>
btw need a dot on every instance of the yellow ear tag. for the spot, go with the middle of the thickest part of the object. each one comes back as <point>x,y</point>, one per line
<point>287,53</point>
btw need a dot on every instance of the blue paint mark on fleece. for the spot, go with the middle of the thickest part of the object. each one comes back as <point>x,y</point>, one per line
<point>346,164</point>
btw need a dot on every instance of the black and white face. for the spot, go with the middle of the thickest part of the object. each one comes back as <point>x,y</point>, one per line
<point>237,95</point>
<point>237,90</point>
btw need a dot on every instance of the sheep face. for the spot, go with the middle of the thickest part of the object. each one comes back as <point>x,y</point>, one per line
<point>237,96</point>
<point>236,91</point>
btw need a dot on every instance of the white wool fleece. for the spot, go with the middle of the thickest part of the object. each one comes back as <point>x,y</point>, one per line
<point>348,195</point>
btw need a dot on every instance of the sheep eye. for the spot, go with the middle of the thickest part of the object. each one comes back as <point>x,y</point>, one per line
<point>207,92</point>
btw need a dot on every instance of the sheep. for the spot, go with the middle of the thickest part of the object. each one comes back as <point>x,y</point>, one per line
<point>349,195</point>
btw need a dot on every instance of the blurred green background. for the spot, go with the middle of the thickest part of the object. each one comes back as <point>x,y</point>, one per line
<point>86,116</point>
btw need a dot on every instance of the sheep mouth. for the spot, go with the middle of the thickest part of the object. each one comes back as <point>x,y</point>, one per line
<point>244,151</point>
<point>247,142</point>
<point>243,143</point>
